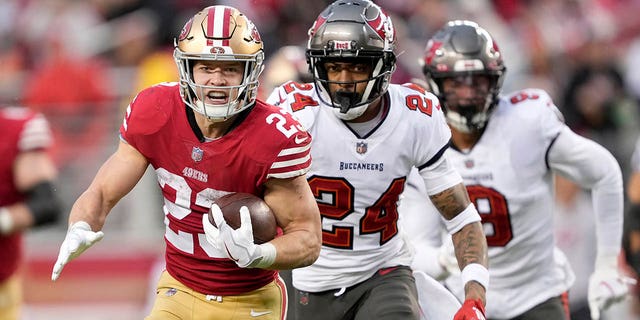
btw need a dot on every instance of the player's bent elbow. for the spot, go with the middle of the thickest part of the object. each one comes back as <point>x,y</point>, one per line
<point>313,244</point>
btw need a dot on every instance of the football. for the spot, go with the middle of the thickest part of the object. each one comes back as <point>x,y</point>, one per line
<point>262,218</point>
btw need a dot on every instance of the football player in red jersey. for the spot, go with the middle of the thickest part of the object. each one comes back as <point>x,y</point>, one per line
<point>208,136</point>
<point>27,195</point>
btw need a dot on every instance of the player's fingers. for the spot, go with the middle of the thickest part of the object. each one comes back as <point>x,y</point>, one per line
<point>217,215</point>
<point>245,218</point>
<point>208,227</point>
<point>56,272</point>
<point>595,311</point>
<point>57,267</point>
<point>95,237</point>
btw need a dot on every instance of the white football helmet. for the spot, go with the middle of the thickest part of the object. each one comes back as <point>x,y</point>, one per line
<point>219,33</point>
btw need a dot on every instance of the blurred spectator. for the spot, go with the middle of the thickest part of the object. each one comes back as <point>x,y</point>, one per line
<point>632,63</point>
<point>68,84</point>
<point>632,226</point>
<point>73,94</point>
<point>286,64</point>
<point>597,104</point>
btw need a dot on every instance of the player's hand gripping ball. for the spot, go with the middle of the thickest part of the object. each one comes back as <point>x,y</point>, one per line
<point>263,221</point>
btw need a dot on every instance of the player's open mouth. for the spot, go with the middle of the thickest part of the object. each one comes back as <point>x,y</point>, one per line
<point>217,97</point>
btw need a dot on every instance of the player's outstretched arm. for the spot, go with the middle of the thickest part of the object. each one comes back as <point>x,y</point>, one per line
<point>117,176</point>
<point>470,245</point>
<point>297,214</point>
<point>599,172</point>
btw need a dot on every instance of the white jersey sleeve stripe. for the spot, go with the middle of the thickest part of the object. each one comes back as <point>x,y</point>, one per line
<point>288,174</point>
<point>288,163</point>
<point>35,134</point>
<point>290,151</point>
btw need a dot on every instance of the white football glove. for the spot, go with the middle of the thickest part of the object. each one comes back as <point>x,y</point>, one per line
<point>238,243</point>
<point>78,239</point>
<point>606,286</point>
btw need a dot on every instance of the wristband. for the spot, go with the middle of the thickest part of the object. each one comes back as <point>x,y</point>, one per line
<point>467,216</point>
<point>475,272</point>
<point>6,221</point>
<point>267,256</point>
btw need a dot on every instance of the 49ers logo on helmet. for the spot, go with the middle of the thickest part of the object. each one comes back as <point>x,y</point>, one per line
<point>251,33</point>
<point>185,30</point>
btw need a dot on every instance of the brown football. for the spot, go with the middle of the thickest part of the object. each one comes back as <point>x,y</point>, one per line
<point>262,218</point>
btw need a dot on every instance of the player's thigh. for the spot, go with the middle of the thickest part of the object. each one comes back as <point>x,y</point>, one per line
<point>393,295</point>
<point>173,300</point>
<point>10,298</point>
<point>552,309</point>
<point>176,301</point>
<point>266,303</point>
<point>318,305</point>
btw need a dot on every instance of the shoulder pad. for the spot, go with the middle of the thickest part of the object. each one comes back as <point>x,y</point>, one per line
<point>150,110</point>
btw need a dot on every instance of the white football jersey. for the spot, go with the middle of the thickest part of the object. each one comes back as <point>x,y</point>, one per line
<point>508,179</point>
<point>357,180</point>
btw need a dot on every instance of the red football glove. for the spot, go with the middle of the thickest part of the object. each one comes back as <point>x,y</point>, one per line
<point>470,310</point>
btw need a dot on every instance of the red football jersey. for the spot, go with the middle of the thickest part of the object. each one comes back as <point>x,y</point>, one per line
<point>21,130</point>
<point>192,173</point>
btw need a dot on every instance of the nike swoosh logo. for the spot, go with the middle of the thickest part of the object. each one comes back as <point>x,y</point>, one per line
<point>299,141</point>
<point>229,254</point>
<point>385,271</point>
<point>257,314</point>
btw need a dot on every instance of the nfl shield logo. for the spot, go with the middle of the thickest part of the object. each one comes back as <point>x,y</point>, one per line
<point>304,298</point>
<point>361,147</point>
<point>196,154</point>
<point>469,163</point>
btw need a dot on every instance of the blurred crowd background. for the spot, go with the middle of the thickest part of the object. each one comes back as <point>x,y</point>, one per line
<point>81,61</point>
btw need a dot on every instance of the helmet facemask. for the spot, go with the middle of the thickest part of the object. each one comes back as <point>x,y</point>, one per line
<point>471,112</point>
<point>348,102</point>
<point>239,97</point>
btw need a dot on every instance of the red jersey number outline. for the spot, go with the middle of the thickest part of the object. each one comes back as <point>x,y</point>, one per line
<point>497,216</point>
<point>381,217</point>
<point>301,101</point>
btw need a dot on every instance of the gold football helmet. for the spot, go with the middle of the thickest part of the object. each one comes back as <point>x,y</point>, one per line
<point>219,33</point>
